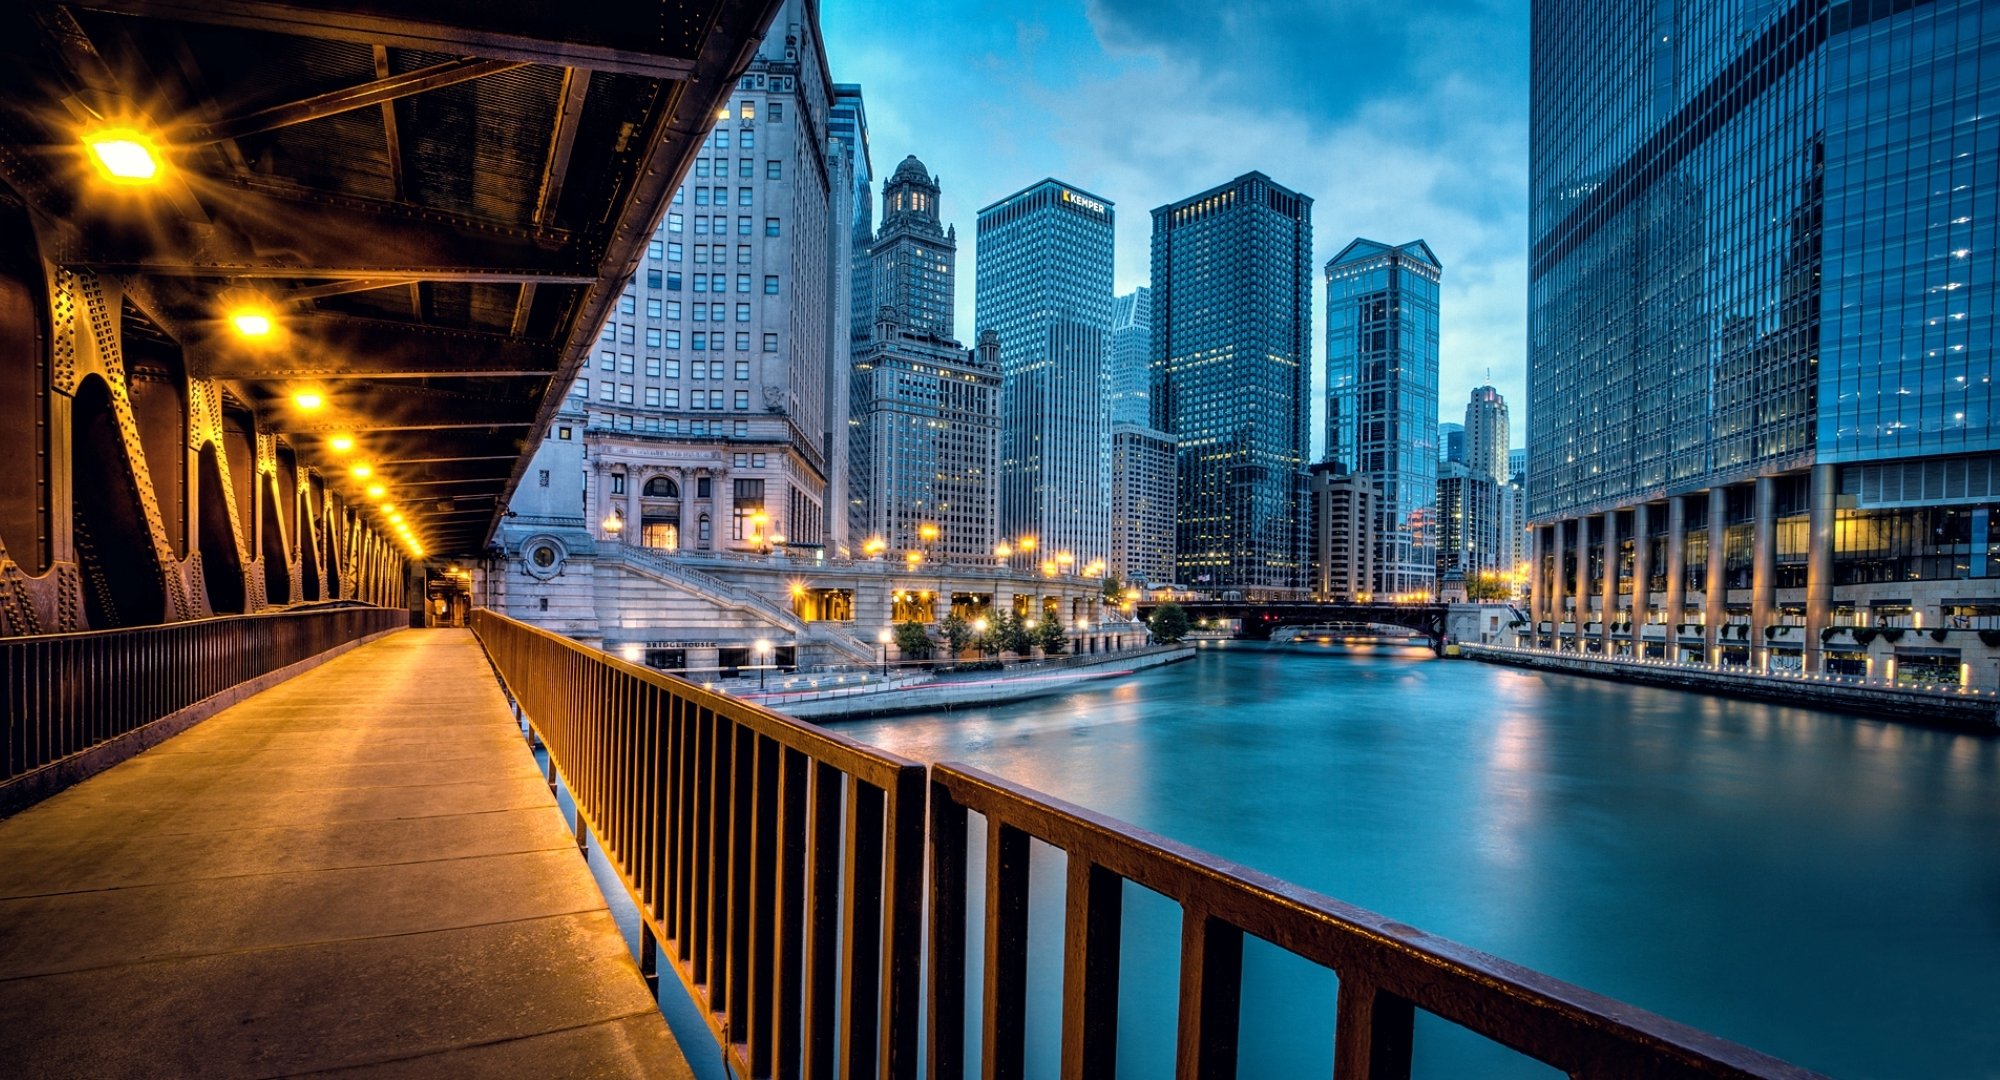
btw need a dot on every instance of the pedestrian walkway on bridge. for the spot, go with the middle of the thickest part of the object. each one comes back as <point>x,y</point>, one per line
<point>357,873</point>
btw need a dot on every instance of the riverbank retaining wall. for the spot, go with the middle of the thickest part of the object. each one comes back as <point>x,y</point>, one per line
<point>1976,711</point>
<point>1000,689</point>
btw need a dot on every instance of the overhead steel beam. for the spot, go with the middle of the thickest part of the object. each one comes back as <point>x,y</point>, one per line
<point>569,111</point>
<point>255,233</point>
<point>346,99</point>
<point>602,37</point>
<point>329,347</point>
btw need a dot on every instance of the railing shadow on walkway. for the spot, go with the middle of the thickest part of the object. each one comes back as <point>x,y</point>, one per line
<point>779,868</point>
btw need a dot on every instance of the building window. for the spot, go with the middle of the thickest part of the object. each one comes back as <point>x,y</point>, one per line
<point>673,309</point>
<point>776,113</point>
<point>673,399</point>
<point>743,226</point>
<point>653,279</point>
<point>653,309</point>
<point>749,497</point>
<point>771,284</point>
<point>722,140</point>
<point>607,360</point>
<point>563,434</point>
<point>653,338</point>
<point>742,371</point>
<point>626,305</point>
<point>704,487</point>
<point>653,396</point>
<point>673,251</point>
<point>743,313</point>
<point>746,169</point>
<point>749,139</point>
<point>673,281</point>
<point>742,429</point>
<point>674,222</point>
<point>543,478</point>
<point>607,391</point>
<point>747,110</point>
<point>653,366</point>
<point>609,333</point>
<point>625,363</point>
<point>774,170</point>
<point>743,196</point>
<point>743,254</point>
<point>704,533</point>
<point>770,226</point>
<point>770,343</point>
<point>654,249</point>
<point>581,389</point>
<point>742,399</point>
<point>624,393</point>
<point>618,483</point>
<point>673,339</point>
<point>743,341</point>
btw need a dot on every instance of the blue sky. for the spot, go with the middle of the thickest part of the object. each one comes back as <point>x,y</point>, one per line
<point>1402,121</point>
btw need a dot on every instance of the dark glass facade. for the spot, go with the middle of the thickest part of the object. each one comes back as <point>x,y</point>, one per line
<point>1232,380</point>
<point>1382,397</point>
<point>1762,307</point>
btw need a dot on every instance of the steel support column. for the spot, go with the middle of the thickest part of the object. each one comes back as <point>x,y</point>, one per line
<point>1763,571</point>
<point>1715,595</point>
<point>1608,587</point>
<point>1819,564</point>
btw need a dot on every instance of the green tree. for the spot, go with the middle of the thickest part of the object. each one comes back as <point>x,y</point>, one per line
<point>1049,635</point>
<point>913,641</point>
<point>1114,590</point>
<point>957,634</point>
<point>1169,623</point>
<point>1488,585</point>
<point>1010,634</point>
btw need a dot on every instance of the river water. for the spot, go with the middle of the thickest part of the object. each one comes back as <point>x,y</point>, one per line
<point>1821,887</point>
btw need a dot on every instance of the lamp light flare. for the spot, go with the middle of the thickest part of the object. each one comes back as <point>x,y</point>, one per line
<point>341,444</point>
<point>251,324</point>
<point>376,491</point>
<point>361,472</point>
<point>309,400</point>
<point>125,156</point>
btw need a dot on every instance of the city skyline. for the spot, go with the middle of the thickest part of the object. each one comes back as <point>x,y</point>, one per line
<point>1408,145</point>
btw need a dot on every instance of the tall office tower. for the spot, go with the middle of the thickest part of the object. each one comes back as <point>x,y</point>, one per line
<point>1517,461</point>
<point>706,405</point>
<point>1382,396</point>
<point>1761,297</point>
<point>1486,434</point>
<point>1044,285</point>
<point>914,258</point>
<point>1470,521</point>
<point>1142,504</point>
<point>854,304</point>
<point>927,445</point>
<point>1131,358</point>
<point>1514,530</point>
<point>1345,515</point>
<point>1451,442</point>
<point>1232,379</point>
<point>925,437</point>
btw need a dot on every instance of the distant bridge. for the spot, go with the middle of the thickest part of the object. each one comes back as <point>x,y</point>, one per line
<point>1259,618</point>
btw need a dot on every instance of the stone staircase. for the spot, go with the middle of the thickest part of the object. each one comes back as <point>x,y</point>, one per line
<point>668,570</point>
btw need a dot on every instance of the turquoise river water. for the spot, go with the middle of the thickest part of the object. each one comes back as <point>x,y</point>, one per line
<point>1822,887</point>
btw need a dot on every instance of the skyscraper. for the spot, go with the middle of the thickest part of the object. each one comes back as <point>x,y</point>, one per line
<point>703,419</point>
<point>847,122</point>
<point>1131,358</point>
<point>1451,442</point>
<point>1345,516</point>
<point>1486,434</point>
<point>1044,286</point>
<point>1232,379</point>
<point>1470,517</point>
<point>925,433</point>
<point>1761,297</point>
<point>1142,504</point>
<point>1382,396</point>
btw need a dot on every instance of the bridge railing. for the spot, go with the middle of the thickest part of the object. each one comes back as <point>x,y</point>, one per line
<point>72,704</point>
<point>1386,971</point>
<point>776,866</point>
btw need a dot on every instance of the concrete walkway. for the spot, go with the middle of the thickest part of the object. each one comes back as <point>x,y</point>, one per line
<point>358,873</point>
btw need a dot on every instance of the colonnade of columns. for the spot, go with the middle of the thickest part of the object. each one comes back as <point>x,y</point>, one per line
<point>1558,599</point>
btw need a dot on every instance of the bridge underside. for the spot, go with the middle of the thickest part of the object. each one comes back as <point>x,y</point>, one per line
<point>1257,621</point>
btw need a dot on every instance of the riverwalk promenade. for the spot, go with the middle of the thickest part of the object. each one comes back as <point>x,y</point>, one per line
<point>360,872</point>
<point>1953,707</point>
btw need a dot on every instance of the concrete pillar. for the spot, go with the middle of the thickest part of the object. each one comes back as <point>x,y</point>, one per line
<point>1642,574</point>
<point>1610,583</point>
<point>1715,610</point>
<point>1537,592</point>
<point>1673,606</point>
<point>724,502</point>
<point>1819,564</point>
<point>1556,586</point>
<point>1763,570</point>
<point>1582,582</point>
<point>634,519</point>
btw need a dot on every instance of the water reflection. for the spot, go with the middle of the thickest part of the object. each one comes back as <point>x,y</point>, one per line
<point>1821,887</point>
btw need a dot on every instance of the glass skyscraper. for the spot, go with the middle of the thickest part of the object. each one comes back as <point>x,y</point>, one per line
<point>1382,397</point>
<point>1044,285</point>
<point>1131,358</point>
<point>1761,320</point>
<point>1232,380</point>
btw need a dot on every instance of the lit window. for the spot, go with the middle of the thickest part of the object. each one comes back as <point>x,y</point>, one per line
<point>747,111</point>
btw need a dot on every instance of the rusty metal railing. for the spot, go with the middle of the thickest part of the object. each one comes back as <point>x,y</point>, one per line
<point>1386,971</point>
<point>63,695</point>
<point>776,866</point>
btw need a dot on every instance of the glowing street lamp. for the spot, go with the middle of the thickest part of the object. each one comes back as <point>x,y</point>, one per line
<point>927,532</point>
<point>1003,550</point>
<point>1026,544</point>
<point>340,444</point>
<point>885,637</point>
<point>309,400</point>
<point>1048,568</point>
<point>874,547</point>
<point>613,522</point>
<point>124,156</point>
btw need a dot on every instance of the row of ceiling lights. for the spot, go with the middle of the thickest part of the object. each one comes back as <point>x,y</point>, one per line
<point>127,156</point>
